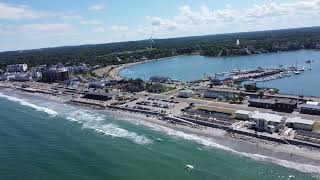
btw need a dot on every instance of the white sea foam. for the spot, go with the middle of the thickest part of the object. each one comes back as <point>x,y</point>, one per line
<point>96,122</point>
<point>211,143</point>
<point>25,103</point>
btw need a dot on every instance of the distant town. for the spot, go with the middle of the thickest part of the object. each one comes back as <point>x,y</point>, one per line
<point>244,111</point>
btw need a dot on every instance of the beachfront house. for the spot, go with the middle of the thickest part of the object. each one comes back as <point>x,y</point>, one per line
<point>267,122</point>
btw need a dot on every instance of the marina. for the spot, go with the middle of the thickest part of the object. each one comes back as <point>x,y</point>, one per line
<point>295,62</point>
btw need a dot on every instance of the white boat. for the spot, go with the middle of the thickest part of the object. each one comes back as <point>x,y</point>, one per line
<point>297,72</point>
<point>189,167</point>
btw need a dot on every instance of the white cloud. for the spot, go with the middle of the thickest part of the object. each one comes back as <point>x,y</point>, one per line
<point>91,22</point>
<point>163,24</point>
<point>71,17</point>
<point>116,28</point>
<point>98,29</point>
<point>46,27</point>
<point>17,12</point>
<point>232,19</point>
<point>96,7</point>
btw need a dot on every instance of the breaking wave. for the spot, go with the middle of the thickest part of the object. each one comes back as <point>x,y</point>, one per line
<point>210,143</point>
<point>25,103</point>
<point>96,122</point>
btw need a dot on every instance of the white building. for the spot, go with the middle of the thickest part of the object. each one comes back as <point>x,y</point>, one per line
<point>267,121</point>
<point>218,94</point>
<point>243,115</point>
<point>185,93</point>
<point>299,123</point>
<point>273,122</point>
<point>313,103</point>
<point>17,68</point>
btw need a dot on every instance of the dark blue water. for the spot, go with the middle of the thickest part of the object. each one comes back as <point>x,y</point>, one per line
<point>187,68</point>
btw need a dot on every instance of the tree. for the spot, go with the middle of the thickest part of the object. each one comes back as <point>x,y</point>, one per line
<point>251,87</point>
<point>261,94</point>
<point>241,97</point>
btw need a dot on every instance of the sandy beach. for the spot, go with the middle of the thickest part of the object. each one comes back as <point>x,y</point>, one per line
<point>209,137</point>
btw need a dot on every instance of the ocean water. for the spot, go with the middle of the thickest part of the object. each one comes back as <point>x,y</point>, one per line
<point>187,68</point>
<point>48,140</point>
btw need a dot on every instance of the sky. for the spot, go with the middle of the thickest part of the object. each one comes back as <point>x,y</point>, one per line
<point>30,24</point>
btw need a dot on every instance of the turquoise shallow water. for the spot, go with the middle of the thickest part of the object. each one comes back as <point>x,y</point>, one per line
<point>48,140</point>
<point>187,68</point>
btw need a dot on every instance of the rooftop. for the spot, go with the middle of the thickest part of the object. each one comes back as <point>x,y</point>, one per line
<point>308,106</point>
<point>186,91</point>
<point>243,112</point>
<point>267,116</point>
<point>269,101</point>
<point>286,101</point>
<point>299,120</point>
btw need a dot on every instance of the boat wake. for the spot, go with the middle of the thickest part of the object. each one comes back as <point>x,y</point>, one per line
<point>97,122</point>
<point>25,103</point>
<point>211,143</point>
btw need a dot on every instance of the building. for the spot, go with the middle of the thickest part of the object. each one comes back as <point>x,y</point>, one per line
<point>78,69</point>
<point>185,93</point>
<point>160,79</point>
<point>282,105</point>
<point>310,109</point>
<point>243,115</point>
<point>217,94</point>
<point>7,77</point>
<point>313,103</point>
<point>21,77</point>
<point>215,82</point>
<point>36,75</point>
<point>17,68</point>
<point>97,85</point>
<point>299,123</point>
<point>157,88</point>
<point>55,74</point>
<point>72,82</point>
<point>286,105</point>
<point>98,96</point>
<point>267,122</point>
<point>262,103</point>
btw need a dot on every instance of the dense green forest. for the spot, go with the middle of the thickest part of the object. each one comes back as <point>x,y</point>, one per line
<point>210,45</point>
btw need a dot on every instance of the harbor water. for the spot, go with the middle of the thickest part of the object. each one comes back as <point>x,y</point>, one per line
<point>188,68</point>
<point>40,139</point>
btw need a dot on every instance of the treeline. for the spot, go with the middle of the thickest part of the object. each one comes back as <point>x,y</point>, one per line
<point>210,45</point>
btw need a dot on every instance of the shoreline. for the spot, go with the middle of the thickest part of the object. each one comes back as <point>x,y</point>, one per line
<point>217,136</point>
<point>121,67</point>
<point>115,72</point>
